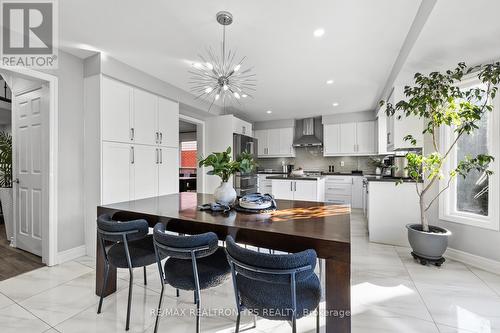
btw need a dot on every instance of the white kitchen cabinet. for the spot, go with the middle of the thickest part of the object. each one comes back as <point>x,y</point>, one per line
<point>398,129</point>
<point>276,142</point>
<point>346,139</point>
<point>242,127</point>
<point>331,139</point>
<point>357,192</point>
<point>117,172</point>
<point>145,171</point>
<point>168,123</point>
<point>282,189</point>
<point>116,119</point>
<point>366,139</point>
<point>145,117</point>
<point>168,161</point>
<point>304,190</point>
<point>264,185</point>
<point>261,136</point>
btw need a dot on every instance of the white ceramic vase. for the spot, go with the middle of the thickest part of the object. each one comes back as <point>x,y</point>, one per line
<point>7,209</point>
<point>225,194</point>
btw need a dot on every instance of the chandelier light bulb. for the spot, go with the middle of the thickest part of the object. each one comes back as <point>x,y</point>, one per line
<point>209,66</point>
<point>236,95</point>
<point>197,65</point>
<point>244,95</point>
<point>217,97</point>
<point>208,90</point>
<point>225,87</point>
<point>237,68</point>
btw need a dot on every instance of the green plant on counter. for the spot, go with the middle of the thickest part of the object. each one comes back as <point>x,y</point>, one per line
<point>223,165</point>
<point>5,160</point>
<point>441,102</point>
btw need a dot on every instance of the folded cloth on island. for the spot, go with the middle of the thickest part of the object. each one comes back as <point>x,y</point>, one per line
<point>215,207</point>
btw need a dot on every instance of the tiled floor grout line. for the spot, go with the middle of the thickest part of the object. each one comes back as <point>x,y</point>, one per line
<point>416,288</point>
<point>57,285</point>
<point>482,280</point>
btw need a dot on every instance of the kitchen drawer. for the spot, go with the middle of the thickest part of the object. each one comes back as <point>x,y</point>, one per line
<point>338,189</point>
<point>339,179</point>
<point>338,199</point>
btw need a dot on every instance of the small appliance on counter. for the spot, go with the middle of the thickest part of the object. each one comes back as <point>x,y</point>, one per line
<point>286,168</point>
<point>399,164</point>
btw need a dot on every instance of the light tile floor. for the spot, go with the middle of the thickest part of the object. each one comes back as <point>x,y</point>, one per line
<point>390,293</point>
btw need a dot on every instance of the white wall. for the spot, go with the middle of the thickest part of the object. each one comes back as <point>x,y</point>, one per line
<point>70,150</point>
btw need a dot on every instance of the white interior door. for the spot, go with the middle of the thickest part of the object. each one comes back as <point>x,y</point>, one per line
<point>146,160</point>
<point>30,169</point>
<point>168,171</point>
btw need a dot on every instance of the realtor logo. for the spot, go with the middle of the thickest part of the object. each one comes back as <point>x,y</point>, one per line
<point>29,33</point>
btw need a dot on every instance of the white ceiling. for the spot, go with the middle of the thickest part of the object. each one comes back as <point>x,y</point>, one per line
<point>457,30</point>
<point>361,43</point>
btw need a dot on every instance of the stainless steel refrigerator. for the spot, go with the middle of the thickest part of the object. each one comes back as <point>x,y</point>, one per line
<point>244,183</point>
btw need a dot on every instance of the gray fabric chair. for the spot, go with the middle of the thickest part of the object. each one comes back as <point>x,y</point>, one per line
<point>274,286</point>
<point>132,247</point>
<point>195,262</point>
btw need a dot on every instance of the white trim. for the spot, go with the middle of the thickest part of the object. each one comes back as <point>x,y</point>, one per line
<point>447,201</point>
<point>71,254</point>
<point>49,245</point>
<point>486,264</point>
<point>201,174</point>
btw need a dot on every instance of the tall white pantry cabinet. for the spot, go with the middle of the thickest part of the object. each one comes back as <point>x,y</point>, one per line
<point>131,144</point>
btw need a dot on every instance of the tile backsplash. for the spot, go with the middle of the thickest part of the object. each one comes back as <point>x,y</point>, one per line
<point>312,159</point>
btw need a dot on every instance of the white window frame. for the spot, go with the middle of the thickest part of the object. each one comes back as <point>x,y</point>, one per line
<point>448,200</point>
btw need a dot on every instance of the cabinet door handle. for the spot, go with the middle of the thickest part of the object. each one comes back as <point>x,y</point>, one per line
<point>161,156</point>
<point>157,140</point>
<point>156,155</point>
<point>161,137</point>
<point>291,186</point>
<point>295,186</point>
<point>132,157</point>
<point>132,134</point>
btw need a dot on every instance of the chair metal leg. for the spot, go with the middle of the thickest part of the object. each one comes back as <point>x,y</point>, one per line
<point>177,292</point>
<point>159,308</point>
<point>130,284</point>
<point>194,298</point>
<point>145,279</point>
<point>317,320</point>
<point>237,330</point>
<point>294,324</point>
<point>106,271</point>
<point>198,317</point>
<point>254,321</point>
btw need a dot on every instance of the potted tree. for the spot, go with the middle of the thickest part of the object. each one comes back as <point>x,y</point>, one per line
<point>224,167</point>
<point>439,99</point>
<point>6,181</point>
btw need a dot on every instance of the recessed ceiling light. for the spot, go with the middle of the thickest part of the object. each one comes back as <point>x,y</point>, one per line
<point>319,32</point>
<point>335,104</point>
<point>329,82</point>
<point>244,95</point>
<point>269,111</point>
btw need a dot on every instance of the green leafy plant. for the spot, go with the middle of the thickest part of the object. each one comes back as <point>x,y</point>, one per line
<point>5,160</point>
<point>441,102</point>
<point>223,166</point>
<point>377,162</point>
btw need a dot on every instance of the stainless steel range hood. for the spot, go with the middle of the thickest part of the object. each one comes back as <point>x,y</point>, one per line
<point>306,133</point>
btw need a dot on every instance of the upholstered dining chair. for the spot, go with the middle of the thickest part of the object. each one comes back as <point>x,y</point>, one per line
<point>195,262</point>
<point>274,286</point>
<point>131,247</point>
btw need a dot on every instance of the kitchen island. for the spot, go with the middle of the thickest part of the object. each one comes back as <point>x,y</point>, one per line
<point>295,226</point>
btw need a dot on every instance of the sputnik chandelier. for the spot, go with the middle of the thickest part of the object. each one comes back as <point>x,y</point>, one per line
<point>220,77</point>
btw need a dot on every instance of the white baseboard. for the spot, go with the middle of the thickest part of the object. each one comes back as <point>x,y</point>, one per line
<point>486,264</point>
<point>71,254</point>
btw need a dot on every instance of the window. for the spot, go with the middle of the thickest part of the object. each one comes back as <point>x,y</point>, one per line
<point>473,200</point>
<point>188,154</point>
